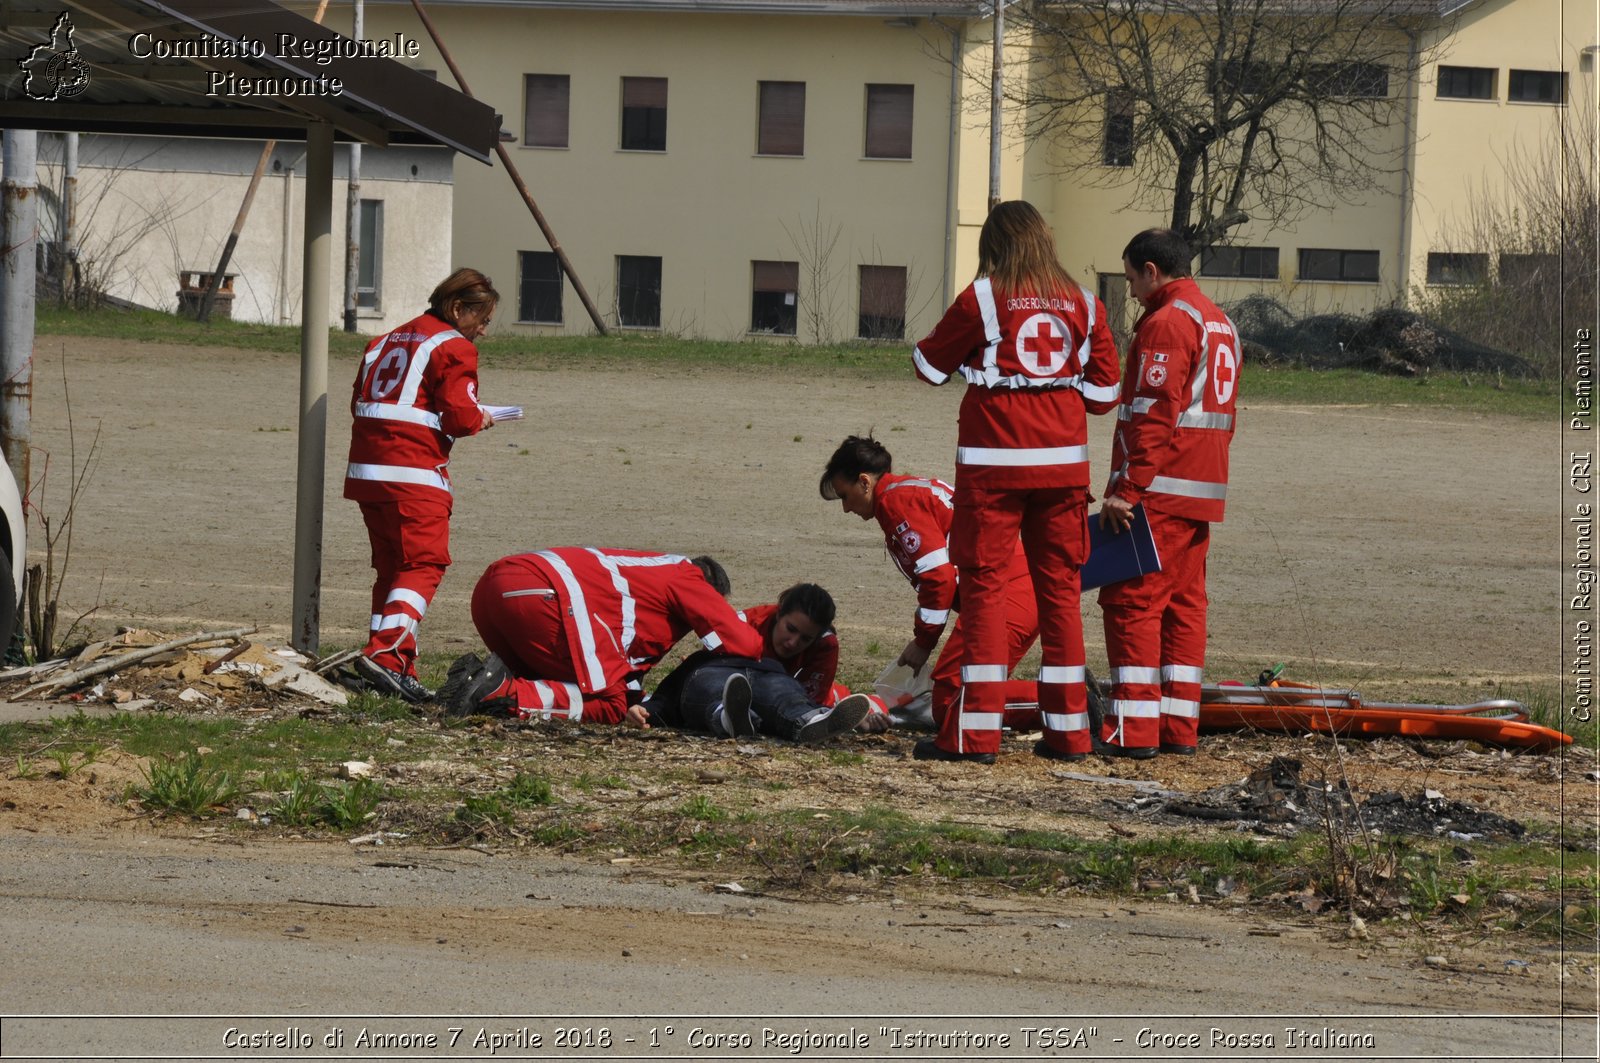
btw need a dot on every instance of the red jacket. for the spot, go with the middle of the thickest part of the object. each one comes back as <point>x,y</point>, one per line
<point>415,392</point>
<point>1181,392</point>
<point>814,667</point>
<point>624,609</point>
<point>1032,366</point>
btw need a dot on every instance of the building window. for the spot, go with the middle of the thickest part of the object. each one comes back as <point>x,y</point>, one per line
<point>1117,145</point>
<point>1257,262</point>
<point>1247,78</point>
<point>883,303</point>
<point>1351,79</point>
<point>1524,271</point>
<point>1537,86</point>
<point>774,295</point>
<point>1466,82</point>
<point>1324,264</point>
<point>638,291</point>
<point>369,260</point>
<point>783,118</point>
<point>644,114</point>
<point>889,121</point>
<point>540,289</point>
<point>1450,267</point>
<point>544,104</point>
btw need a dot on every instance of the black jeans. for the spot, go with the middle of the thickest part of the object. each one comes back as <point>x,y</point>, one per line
<point>778,700</point>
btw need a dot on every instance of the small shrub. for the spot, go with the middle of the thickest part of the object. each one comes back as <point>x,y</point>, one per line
<point>186,785</point>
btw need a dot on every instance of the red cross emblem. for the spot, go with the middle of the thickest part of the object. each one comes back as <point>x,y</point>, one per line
<point>1042,344</point>
<point>1224,374</point>
<point>390,370</point>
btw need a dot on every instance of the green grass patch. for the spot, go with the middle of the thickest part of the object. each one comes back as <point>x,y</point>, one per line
<point>190,785</point>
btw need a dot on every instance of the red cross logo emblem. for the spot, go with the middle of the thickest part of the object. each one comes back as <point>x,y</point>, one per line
<point>390,370</point>
<point>1224,374</point>
<point>1042,345</point>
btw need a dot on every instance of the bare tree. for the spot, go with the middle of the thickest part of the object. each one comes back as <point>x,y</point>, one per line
<point>1226,110</point>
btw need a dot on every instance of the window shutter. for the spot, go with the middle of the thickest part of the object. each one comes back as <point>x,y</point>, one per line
<point>776,276</point>
<point>644,92</point>
<point>783,118</point>
<point>547,108</point>
<point>889,121</point>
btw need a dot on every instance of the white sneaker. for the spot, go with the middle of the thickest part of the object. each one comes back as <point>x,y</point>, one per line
<point>825,723</point>
<point>734,714</point>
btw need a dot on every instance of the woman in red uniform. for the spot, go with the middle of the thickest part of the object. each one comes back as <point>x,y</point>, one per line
<point>915,515</point>
<point>1035,350</point>
<point>415,393</point>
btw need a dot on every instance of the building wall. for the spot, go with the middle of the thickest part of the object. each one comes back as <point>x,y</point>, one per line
<point>151,207</point>
<point>708,205</point>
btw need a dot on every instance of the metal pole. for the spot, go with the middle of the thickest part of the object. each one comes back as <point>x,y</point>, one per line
<point>994,101</point>
<point>516,179</point>
<point>317,275</point>
<point>352,209</point>
<point>67,234</point>
<point>19,236</point>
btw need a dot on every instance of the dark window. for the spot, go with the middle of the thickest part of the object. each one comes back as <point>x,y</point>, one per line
<point>889,121</point>
<point>544,123</point>
<point>883,303</point>
<point>1537,86</point>
<point>369,261</point>
<point>1325,264</point>
<point>1448,267</point>
<point>539,293</point>
<point>1466,82</point>
<point>775,291</point>
<point>1246,79</point>
<point>1117,145</point>
<point>638,291</point>
<point>1351,79</point>
<point>644,114</point>
<point>783,118</point>
<point>1522,271</point>
<point>1259,262</point>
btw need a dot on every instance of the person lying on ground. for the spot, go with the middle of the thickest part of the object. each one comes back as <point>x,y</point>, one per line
<point>572,630</point>
<point>797,632</point>
<point>740,697</point>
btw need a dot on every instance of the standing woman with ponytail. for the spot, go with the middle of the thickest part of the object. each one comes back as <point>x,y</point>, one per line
<point>416,392</point>
<point>1036,352</point>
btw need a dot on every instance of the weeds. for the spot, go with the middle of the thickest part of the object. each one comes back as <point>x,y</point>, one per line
<point>348,805</point>
<point>186,785</point>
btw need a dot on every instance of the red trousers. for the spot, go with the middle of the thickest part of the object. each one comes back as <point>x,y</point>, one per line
<point>519,618</point>
<point>1156,640</point>
<point>1055,537</point>
<point>1021,695</point>
<point>410,551</point>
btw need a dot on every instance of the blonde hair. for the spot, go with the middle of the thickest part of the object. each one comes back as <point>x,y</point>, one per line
<point>1017,252</point>
<point>465,286</point>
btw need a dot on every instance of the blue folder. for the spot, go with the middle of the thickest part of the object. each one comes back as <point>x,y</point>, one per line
<point>1114,558</point>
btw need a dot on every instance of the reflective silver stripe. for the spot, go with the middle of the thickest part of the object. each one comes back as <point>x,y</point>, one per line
<point>1054,673</point>
<point>926,368</point>
<point>1181,673</point>
<point>1180,707</point>
<point>1070,721</point>
<point>1128,410</point>
<point>1135,674</point>
<point>711,640</point>
<point>531,592</point>
<point>390,620</point>
<point>1100,392</point>
<point>933,616</point>
<point>1021,455</point>
<point>981,721</point>
<point>580,613</point>
<point>939,489</point>
<point>408,597</point>
<point>1189,419</point>
<point>419,365</point>
<point>614,565</point>
<point>397,474</point>
<point>991,378</point>
<point>932,559</point>
<point>1171,485</point>
<point>983,673</point>
<point>388,411</point>
<point>377,618</point>
<point>983,290</point>
<point>1137,709</point>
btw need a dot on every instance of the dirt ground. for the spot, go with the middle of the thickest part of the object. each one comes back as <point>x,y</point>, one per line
<point>1410,554</point>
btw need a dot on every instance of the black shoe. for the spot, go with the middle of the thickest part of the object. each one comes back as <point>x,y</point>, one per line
<point>825,723</point>
<point>1177,749</point>
<point>736,697</point>
<point>470,682</point>
<point>1051,753</point>
<point>394,684</point>
<point>1126,752</point>
<point>928,749</point>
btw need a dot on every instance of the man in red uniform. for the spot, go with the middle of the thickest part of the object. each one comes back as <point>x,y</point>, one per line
<point>415,393</point>
<point>1036,353</point>
<point>1177,419</point>
<point>571,630</point>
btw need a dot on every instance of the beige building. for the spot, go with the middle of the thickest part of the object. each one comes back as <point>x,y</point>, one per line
<point>775,168</point>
